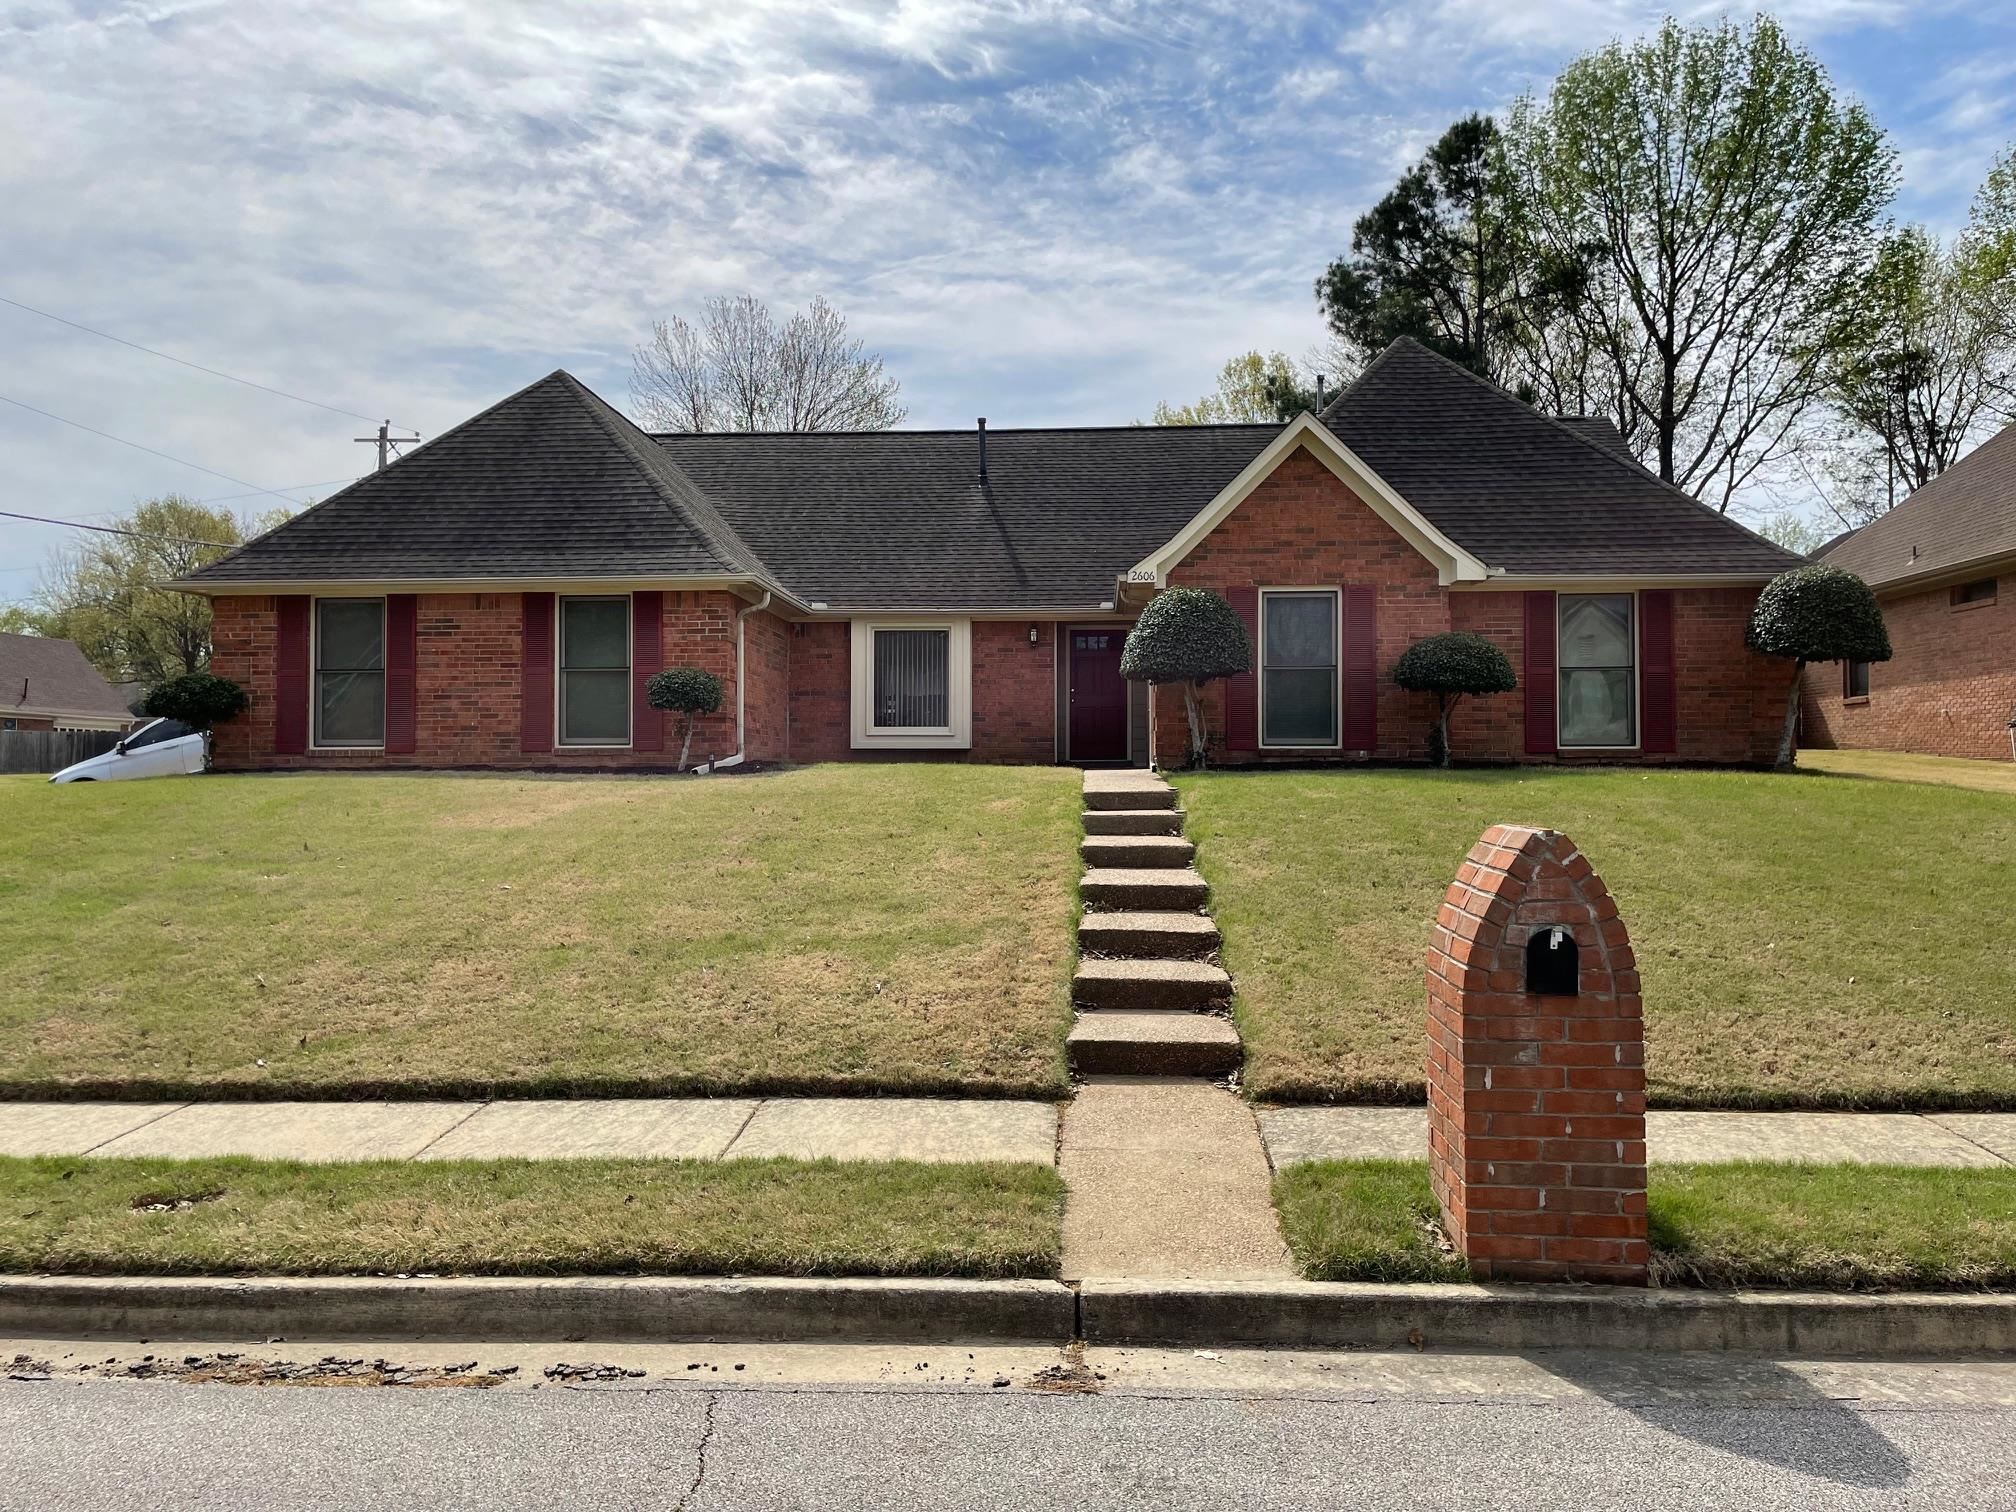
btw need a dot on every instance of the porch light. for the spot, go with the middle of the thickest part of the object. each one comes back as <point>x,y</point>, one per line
<point>1032,635</point>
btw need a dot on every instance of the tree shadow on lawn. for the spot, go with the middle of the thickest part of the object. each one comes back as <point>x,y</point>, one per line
<point>1739,1404</point>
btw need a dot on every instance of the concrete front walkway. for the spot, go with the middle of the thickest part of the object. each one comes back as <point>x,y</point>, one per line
<point>1923,1139</point>
<point>863,1128</point>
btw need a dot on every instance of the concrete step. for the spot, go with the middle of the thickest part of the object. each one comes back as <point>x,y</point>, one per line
<point>1153,888</point>
<point>1132,821</point>
<point>1157,851</point>
<point>1147,935</point>
<point>1154,1044</point>
<point>1127,789</point>
<point>1150,985</point>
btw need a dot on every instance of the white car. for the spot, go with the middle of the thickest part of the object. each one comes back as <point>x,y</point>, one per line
<point>163,748</point>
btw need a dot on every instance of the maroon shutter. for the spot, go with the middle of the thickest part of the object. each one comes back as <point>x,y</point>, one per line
<point>290,675</point>
<point>1242,693</point>
<point>535,674</point>
<point>647,660</point>
<point>1539,674</point>
<point>1361,667</point>
<point>1658,679</point>
<point>402,660</point>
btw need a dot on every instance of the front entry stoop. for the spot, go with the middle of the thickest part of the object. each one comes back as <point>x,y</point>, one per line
<point>1166,1172</point>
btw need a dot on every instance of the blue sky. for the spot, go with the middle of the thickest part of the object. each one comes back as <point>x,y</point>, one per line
<point>1038,212</point>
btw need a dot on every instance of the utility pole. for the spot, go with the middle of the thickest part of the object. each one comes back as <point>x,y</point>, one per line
<point>387,443</point>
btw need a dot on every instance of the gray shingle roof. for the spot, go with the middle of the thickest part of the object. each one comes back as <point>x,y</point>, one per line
<point>37,672</point>
<point>551,482</point>
<point>1524,492</point>
<point>1965,515</point>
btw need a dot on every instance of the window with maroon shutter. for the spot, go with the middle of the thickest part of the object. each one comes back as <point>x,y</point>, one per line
<point>1659,682</point>
<point>1538,673</point>
<point>1242,693</point>
<point>290,674</point>
<point>647,660</point>
<point>535,674</point>
<point>402,657</point>
<point>348,706</point>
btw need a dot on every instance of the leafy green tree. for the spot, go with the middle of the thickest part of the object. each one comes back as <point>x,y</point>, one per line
<point>688,692</point>
<point>1187,636</point>
<point>1441,259</point>
<point>1815,614</point>
<point>108,593</point>
<point>1254,387</point>
<point>19,619</point>
<point>201,700</point>
<point>1724,202</point>
<point>1450,666</point>
<point>1794,531</point>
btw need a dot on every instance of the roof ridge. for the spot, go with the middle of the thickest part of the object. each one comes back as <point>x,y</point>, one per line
<point>1554,423</point>
<point>699,512</point>
<point>1003,430</point>
<point>1366,372</point>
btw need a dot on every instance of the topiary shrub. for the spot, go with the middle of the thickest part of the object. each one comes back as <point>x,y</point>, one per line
<point>687,691</point>
<point>1187,636</point>
<point>1815,614</point>
<point>1449,666</point>
<point>198,699</point>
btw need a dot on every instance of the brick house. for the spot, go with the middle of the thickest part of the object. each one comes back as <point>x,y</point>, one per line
<point>1937,563</point>
<point>501,596</point>
<point>47,684</point>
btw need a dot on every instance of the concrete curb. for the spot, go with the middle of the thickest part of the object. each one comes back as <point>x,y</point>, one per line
<point>1343,1315</point>
<point>536,1309</point>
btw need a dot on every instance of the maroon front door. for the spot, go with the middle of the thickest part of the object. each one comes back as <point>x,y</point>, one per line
<point>1098,728</point>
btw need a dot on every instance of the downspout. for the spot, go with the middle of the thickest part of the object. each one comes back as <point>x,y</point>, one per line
<point>741,689</point>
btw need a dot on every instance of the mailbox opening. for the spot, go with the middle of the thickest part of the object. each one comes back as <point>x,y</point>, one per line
<point>1553,963</point>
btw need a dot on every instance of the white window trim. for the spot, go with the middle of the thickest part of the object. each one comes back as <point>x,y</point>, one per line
<point>1637,671</point>
<point>957,734</point>
<point>560,740</point>
<point>1337,668</point>
<point>315,603</point>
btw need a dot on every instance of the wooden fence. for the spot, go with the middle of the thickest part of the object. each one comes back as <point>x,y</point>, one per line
<point>51,750</point>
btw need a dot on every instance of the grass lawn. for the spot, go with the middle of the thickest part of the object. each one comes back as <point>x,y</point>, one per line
<point>845,928</point>
<point>529,1217</point>
<point>1805,940</point>
<point>1840,1227</point>
<point>1904,766</point>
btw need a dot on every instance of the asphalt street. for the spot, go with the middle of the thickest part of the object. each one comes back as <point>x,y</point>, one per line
<point>1128,1429</point>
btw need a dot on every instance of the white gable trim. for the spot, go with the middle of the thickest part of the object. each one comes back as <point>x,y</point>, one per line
<point>1452,563</point>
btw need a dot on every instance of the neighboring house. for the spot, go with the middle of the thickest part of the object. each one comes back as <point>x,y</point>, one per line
<point>48,685</point>
<point>501,596</point>
<point>1943,566</point>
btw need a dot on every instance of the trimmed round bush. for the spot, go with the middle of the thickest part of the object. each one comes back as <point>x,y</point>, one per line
<point>1815,614</point>
<point>200,700</point>
<point>1451,665</point>
<point>1187,636</point>
<point>686,691</point>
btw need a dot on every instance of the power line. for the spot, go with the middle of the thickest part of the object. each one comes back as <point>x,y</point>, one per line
<point>138,535</point>
<point>178,461</point>
<point>265,388</point>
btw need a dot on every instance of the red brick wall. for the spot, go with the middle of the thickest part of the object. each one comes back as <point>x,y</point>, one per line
<point>467,677</point>
<point>767,716</point>
<point>17,722</point>
<point>1014,692</point>
<point>820,672</point>
<point>1948,690</point>
<point>1536,1102</point>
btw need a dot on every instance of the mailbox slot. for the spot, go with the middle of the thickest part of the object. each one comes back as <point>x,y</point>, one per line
<point>1553,963</point>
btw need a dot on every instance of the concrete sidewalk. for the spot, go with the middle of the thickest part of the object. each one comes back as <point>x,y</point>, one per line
<point>1921,1139</point>
<point>843,1128</point>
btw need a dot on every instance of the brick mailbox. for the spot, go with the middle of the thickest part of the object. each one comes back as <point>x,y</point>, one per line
<point>1536,1067</point>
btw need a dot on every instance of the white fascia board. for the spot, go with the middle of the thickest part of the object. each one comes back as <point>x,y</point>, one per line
<point>1452,563</point>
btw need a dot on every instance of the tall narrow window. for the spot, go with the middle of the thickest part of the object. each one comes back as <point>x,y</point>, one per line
<point>1598,669</point>
<point>1298,668</point>
<point>913,689</point>
<point>595,671</point>
<point>349,672</point>
<point>1855,679</point>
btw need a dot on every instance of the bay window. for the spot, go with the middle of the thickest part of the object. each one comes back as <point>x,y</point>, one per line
<point>595,671</point>
<point>1298,667</point>
<point>349,672</point>
<point>1597,665</point>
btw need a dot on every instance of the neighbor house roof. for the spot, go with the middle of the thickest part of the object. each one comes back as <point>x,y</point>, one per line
<point>1965,515</point>
<point>42,678</point>
<point>553,483</point>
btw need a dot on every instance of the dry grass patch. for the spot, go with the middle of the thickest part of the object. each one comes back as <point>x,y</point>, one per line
<point>1805,941</point>
<point>529,1217</point>
<point>1905,766</point>
<point>846,928</point>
